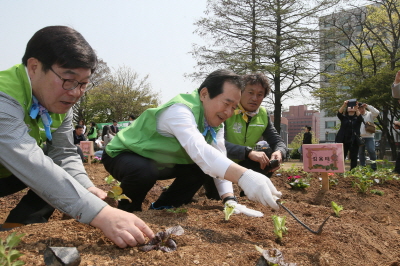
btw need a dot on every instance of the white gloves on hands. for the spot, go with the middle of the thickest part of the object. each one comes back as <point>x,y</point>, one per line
<point>259,188</point>
<point>243,209</point>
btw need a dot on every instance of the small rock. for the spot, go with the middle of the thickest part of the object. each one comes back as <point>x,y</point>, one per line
<point>61,256</point>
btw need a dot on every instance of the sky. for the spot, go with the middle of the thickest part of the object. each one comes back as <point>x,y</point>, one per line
<point>152,37</point>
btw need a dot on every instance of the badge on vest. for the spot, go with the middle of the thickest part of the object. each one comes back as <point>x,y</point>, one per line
<point>237,127</point>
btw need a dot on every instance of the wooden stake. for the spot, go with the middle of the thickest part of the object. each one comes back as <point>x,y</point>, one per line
<point>325,181</point>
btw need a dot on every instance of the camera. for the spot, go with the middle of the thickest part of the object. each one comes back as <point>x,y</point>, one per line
<point>272,164</point>
<point>351,103</point>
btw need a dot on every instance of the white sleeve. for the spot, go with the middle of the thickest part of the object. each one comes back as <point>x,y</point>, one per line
<point>374,112</point>
<point>178,121</point>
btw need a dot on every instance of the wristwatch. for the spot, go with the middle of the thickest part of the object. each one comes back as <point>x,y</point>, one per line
<point>247,151</point>
<point>229,198</point>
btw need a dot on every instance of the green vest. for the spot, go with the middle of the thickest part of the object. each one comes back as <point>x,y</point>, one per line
<point>141,136</point>
<point>15,83</point>
<point>237,132</point>
<point>94,134</point>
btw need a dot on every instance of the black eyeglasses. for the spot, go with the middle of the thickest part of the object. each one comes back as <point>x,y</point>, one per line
<point>71,84</point>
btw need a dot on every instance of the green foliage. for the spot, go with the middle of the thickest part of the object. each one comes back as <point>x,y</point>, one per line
<point>116,193</point>
<point>298,182</point>
<point>377,192</point>
<point>228,210</point>
<point>8,255</point>
<point>279,226</point>
<point>336,208</point>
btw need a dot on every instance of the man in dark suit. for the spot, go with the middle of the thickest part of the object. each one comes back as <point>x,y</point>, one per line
<point>114,128</point>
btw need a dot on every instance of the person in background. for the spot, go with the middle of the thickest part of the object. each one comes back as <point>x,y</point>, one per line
<point>36,99</point>
<point>114,128</point>
<point>92,134</point>
<point>351,121</point>
<point>368,116</point>
<point>396,124</point>
<point>78,134</point>
<point>131,119</point>
<point>184,139</point>
<point>250,123</point>
<point>82,123</point>
<point>307,137</point>
<point>106,136</point>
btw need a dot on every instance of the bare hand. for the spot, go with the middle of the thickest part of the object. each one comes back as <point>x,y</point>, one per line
<point>98,192</point>
<point>122,228</point>
<point>259,156</point>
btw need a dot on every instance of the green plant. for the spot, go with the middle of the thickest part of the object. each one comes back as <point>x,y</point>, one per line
<point>279,226</point>
<point>298,182</point>
<point>228,210</point>
<point>116,193</point>
<point>9,255</point>
<point>377,192</point>
<point>336,208</point>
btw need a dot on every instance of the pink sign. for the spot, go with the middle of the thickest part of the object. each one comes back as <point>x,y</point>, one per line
<point>323,158</point>
<point>87,147</point>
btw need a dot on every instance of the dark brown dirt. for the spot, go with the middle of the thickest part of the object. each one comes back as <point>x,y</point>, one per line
<point>367,233</point>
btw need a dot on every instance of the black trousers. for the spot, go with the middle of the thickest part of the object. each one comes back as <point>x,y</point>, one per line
<point>138,175</point>
<point>31,208</point>
<point>353,148</point>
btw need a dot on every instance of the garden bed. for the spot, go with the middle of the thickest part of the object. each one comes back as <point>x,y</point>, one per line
<point>367,233</point>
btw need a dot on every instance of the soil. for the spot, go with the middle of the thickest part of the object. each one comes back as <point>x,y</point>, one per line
<point>367,232</point>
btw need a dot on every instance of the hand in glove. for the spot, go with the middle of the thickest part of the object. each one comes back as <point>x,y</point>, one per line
<point>259,188</point>
<point>243,209</point>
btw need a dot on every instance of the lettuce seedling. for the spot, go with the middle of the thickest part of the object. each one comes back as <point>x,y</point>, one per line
<point>279,226</point>
<point>116,193</point>
<point>163,240</point>
<point>336,208</point>
<point>109,179</point>
<point>228,210</point>
<point>8,255</point>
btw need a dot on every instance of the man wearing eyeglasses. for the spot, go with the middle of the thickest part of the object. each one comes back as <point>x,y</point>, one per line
<point>35,107</point>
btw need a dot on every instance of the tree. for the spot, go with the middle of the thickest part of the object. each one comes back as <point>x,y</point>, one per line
<point>122,94</point>
<point>277,37</point>
<point>80,109</point>
<point>372,58</point>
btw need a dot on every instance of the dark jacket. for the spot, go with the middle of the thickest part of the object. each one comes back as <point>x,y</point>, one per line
<point>114,130</point>
<point>78,138</point>
<point>349,126</point>
<point>307,138</point>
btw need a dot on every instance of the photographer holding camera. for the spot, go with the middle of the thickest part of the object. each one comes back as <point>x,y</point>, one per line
<point>249,124</point>
<point>349,132</point>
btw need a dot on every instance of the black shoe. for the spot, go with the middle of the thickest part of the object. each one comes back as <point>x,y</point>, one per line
<point>160,208</point>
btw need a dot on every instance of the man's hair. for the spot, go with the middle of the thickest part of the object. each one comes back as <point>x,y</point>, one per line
<point>215,81</point>
<point>133,117</point>
<point>309,128</point>
<point>60,45</point>
<point>115,121</point>
<point>258,78</point>
<point>78,126</point>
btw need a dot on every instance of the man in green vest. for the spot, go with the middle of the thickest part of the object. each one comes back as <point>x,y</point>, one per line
<point>35,107</point>
<point>184,139</point>
<point>250,124</point>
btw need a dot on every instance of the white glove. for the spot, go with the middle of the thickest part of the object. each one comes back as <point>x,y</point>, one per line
<point>259,188</point>
<point>243,209</point>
